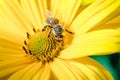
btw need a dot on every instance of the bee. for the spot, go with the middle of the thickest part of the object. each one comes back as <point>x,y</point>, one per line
<point>55,28</point>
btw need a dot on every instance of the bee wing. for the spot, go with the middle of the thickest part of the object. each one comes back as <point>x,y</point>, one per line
<point>48,13</point>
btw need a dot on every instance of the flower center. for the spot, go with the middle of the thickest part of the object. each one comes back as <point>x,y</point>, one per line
<point>40,47</point>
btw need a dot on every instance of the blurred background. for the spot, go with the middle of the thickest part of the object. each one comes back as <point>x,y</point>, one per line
<point>111,63</point>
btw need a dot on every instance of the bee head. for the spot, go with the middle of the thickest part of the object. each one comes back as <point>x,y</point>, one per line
<point>52,21</point>
<point>58,29</point>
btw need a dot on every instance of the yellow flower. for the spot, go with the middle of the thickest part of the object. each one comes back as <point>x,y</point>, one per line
<point>27,53</point>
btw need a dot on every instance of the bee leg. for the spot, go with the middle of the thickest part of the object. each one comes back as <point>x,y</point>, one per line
<point>69,31</point>
<point>61,36</point>
<point>49,33</point>
<point>44,28</point>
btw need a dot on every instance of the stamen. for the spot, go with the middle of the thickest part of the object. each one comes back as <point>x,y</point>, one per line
<point>38,58</point>
<point>42,48</point>
<point>28,35</point>
<point>25,50</point>
<point>25,42</point>
<point>44,62</point>
<point>34,30</point>
<point>30,52</point>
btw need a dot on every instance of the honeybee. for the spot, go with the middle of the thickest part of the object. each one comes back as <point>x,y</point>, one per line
<point>55,28</point>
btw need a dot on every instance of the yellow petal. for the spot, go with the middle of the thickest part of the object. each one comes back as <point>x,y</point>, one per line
<point>93,43</point>
<point>54,10</point>
<point>97,12</point>
<point>69,13</point>
<point>8,51</point>
<point>11,14</point>
<point>35,10</point>
<point>64,13</point>
<point>8,71</point>
<point>90,69</point>
<point>115,20</point>
<point>115,26</point>
<point>29,74</point>
<point>14,62</point>
<point>10,45</point>
<point>109,19</point>
<point>8,33</point>
<point>5,39</point>
<point>60,70</point>
<point>19,74</point>
<point>96,35</point>
<point>86,2</point>
<point>43,73</point>
<point>10,54</point>
<point>43,10</point>
<point>93,49</point>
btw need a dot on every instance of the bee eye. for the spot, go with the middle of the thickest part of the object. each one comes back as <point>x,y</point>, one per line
<point>59,28</point>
